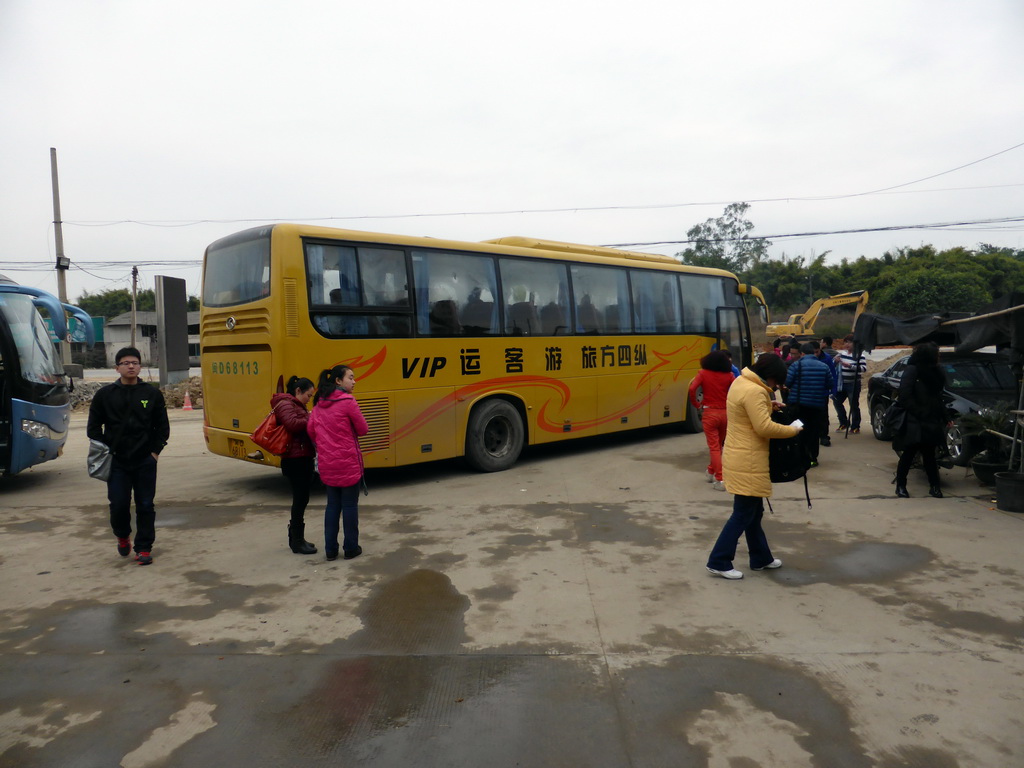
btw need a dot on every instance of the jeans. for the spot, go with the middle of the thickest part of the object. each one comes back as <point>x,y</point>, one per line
<point>343,503</point>
<point>715,423</point>
<point>844,394</point>
<point>747,512</point>
<point>299,472</point>
<point>123,481</point>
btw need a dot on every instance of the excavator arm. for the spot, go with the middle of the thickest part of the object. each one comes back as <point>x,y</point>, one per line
<point>803,325</point>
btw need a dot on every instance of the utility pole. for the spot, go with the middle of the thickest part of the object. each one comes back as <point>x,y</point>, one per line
<point>135,282</point>
<point>63,262</point>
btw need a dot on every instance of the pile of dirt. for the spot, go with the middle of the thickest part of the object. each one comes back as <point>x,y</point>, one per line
<point>174,395</point>
<point>877,366</point>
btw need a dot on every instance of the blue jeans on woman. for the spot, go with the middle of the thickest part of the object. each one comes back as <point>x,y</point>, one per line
<point>343,505</point>
<point>747,512</point>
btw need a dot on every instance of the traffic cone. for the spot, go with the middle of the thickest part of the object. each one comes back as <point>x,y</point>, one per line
<point>188,402</point>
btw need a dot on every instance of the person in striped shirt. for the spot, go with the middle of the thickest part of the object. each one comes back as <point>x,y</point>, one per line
<point>852,369</point>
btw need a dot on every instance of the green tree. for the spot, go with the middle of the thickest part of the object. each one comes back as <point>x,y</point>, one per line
<point>927,290</point>
<point>116,301</point>
<point>725,242</point>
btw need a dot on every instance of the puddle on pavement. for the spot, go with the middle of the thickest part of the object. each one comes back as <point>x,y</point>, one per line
<point>859,562</point>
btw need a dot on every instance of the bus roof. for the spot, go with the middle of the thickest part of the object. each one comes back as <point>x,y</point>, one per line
<point>510,245</point>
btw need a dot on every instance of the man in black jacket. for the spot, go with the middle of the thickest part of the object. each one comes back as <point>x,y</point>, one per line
<point>130,416</point>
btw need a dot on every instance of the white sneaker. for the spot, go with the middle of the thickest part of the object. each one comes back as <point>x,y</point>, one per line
<point>776,563</point>
<point>709,476</point>
<point>718,485</point>
<point>732,574</point>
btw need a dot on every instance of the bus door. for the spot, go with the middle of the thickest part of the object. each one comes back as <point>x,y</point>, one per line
<point>733,334</point>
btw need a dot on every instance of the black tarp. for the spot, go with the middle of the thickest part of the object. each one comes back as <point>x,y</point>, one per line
<point>1004,331</point>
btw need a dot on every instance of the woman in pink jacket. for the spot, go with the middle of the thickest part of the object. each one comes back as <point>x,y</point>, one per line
<point>335,425</point>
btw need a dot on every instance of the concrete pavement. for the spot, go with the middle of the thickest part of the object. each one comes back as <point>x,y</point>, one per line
<point>557,614</point>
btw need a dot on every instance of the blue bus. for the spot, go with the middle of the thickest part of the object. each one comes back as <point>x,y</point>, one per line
<point>35,401</point>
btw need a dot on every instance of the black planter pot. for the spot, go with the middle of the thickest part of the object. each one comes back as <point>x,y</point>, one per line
<point>1010,491</point>
<point>986,470</point>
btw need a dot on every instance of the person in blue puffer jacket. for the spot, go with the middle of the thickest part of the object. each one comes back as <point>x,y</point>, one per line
<point>810,382</point>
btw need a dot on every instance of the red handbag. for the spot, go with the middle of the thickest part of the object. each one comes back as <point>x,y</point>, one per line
<point>271,436</point>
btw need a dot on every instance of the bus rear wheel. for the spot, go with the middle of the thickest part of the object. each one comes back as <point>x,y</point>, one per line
<point>693,422</point>
<point>495,436</point>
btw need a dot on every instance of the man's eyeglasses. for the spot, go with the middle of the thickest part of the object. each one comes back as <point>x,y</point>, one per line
<point>130,362</point>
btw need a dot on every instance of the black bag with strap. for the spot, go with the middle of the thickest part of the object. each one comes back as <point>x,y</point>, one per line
<point>787,456</point>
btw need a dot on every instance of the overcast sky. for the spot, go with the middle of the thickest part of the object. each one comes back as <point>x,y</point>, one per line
<point>199,119</point>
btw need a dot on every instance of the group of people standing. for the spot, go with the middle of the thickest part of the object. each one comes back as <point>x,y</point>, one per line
<point>130,417</point>
<point>324,440</point>
<point>815,374</point>
<point>742,410</point>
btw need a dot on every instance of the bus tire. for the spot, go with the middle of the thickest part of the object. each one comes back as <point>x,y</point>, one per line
<point>692,423</point>
<point>495,436</point>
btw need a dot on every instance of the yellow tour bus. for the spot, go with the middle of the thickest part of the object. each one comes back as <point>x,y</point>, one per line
<point>459,349</point>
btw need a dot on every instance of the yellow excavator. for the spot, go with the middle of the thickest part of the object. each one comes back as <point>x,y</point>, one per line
<point>802,326</point>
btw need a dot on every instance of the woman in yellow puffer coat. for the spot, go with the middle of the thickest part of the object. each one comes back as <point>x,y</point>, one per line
<point>745,465</point>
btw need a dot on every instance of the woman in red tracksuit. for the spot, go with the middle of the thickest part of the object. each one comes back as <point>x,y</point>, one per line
<point>714,379</point>
<point>335,425</point>
<point>297,460</point>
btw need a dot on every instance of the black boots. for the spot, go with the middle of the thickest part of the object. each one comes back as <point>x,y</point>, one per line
<point>935,492</point>
<point>901,491</point>
<point>296,540</point>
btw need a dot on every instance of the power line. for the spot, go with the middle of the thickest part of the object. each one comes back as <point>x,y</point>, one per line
<point>893,228</point>
<point>575,209</point>
<point>178,223</point>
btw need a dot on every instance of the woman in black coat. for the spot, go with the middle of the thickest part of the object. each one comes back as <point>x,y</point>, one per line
<point>924,429</point>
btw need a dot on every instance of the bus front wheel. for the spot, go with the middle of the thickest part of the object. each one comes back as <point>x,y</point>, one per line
<point>495,436</point>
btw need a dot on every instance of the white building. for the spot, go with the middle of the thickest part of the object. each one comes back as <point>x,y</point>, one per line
<point>117,333</point>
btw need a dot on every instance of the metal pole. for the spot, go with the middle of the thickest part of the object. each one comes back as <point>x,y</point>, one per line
<point>63,262</point>
<point>135,280</point>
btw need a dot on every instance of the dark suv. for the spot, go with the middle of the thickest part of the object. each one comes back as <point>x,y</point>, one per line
<point>974,381</point>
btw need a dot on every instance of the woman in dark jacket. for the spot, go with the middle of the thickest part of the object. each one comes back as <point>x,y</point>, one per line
<point>924,429</point>
<point>297,460</point>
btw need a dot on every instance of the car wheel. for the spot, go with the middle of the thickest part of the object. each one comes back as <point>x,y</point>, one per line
<point>495,436</point>
<point>957,445</point>
<point>878,427</point>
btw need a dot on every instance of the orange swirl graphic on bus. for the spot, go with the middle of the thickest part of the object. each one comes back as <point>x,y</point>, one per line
<point>364,368</point>
<point>552,426</point>
<point>507,383</point>
<point>670,358</point>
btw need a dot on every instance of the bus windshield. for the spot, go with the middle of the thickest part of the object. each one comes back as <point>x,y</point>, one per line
<point>37,354</point>
<point>238,270</point>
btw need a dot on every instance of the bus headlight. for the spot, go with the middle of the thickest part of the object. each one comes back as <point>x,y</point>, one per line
<point>38,430</point>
